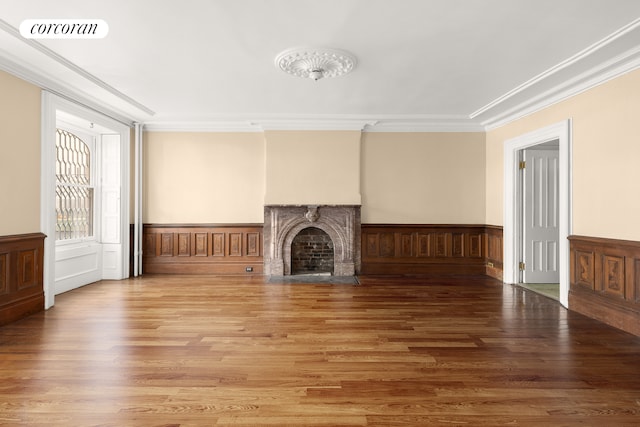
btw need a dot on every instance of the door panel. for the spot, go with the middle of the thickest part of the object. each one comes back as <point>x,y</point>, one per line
<point>541,216</point>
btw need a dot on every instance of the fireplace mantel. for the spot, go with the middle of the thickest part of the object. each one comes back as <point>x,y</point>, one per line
<point>283,222</point>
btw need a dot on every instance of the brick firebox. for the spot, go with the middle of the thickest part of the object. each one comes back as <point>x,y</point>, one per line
<point>282,223</point>
<point>311,252</point>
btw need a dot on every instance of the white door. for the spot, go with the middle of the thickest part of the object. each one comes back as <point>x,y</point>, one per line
<point>541,216</point>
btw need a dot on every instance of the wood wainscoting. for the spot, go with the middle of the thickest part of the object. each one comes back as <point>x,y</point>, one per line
<point>202,249</point>
<point>605,281</point>
<point>433,249</point>
<point>21,276</point>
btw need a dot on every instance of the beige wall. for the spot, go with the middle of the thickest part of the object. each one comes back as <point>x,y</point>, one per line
<point>20,158</point>
<point>606,152</point>
<point>423,178</point>
<point>203,177</point>
<point>227,178</point>
<point>313,167</point>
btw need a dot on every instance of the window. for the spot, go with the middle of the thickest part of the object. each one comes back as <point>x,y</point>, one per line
<point>74,188</point>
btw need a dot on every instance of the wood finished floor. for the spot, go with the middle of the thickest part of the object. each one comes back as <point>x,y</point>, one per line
<point>199,351</point>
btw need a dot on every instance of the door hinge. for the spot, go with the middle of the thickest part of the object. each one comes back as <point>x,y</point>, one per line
<point>522,164</point>
<point>521,266</point>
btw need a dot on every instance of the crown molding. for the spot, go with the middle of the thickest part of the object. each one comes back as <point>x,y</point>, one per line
<point>572,87</point>
<point>62,91</point>
<point>426,123</point>
<point>388,123</point>
<point>611,57</point>
<point>319,123</point>
<point>74,86</point>
<point>201,126</point>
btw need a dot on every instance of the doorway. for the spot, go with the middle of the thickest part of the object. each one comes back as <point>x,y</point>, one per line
<point>514,223</point>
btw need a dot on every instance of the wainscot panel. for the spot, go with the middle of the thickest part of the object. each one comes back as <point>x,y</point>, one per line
<point>21,276</point>
<point>431,249</point>
<point>493,250</point>
<point>605,281</point>
<point>202,249</point>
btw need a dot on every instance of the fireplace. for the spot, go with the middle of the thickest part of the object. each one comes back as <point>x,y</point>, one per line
<point>282,223</point>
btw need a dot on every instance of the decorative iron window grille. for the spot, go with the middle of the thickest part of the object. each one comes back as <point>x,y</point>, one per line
<point>74,187</point>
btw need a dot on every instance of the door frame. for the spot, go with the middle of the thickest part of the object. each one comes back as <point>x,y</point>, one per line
<point>512,228</point>
<point>52,103</point>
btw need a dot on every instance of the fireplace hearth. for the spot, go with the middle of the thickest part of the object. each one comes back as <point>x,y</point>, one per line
<point>282,223</point>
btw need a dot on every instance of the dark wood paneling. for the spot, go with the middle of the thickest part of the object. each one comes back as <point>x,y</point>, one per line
<point>438,249</point>
<point>605,281</point>
<point>493,251</point>
<point>21,280</point>
<point>254,243</point>
<point>4,274</point>
<point>202,249</point>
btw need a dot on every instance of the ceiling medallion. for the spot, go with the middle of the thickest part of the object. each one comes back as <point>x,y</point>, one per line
<point>315,63</point>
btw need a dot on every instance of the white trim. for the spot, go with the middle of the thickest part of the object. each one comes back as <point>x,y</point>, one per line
<point>378,123</point>
<point>47,195</point>
<point>600,74</point>
<point>61,88</point>
<point>315,124</point>
<point>614,55</point>
<point>201,126</point>
<point>62,91</point>
<point>443,124</point>
<point>585,53</point>
<point>137,221</point>
<point>73,67</point>
<point>562,132</point>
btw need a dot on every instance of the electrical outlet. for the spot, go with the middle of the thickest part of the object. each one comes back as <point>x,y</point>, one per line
<point>248,269</point>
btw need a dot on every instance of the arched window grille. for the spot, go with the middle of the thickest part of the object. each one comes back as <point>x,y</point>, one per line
<point>74,187</point>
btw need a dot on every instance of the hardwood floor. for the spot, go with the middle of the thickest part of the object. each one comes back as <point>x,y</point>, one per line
<point>197,351</point>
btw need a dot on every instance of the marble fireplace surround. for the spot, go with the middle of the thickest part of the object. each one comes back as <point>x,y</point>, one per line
<point>283,222</point>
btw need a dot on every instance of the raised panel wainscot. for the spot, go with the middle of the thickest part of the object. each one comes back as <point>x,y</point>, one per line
<point>203,249</point>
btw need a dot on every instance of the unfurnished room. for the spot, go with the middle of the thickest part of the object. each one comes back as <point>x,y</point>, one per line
<point>304,213</point>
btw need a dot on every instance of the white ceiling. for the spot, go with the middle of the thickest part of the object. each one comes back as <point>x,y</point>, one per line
<point>422,64</point>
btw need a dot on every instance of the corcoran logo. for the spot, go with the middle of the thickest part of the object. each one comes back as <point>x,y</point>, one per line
<point>64,28</point>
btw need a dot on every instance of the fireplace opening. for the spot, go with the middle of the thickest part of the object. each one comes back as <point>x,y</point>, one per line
<point>312,252</point>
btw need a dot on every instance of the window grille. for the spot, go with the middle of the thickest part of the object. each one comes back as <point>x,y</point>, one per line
<point>74,187</point>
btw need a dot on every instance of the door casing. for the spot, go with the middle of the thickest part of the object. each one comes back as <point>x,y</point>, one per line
<point>512,212</point>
